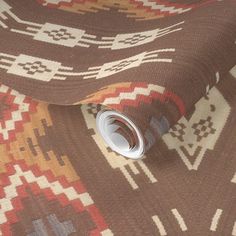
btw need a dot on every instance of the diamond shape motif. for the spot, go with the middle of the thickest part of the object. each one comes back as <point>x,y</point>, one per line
<point>178,131</point>
<point>121,65</point>
<point>135,39</point>
<point>34,67</point>
<point>29,186</point>
<point>203,128</point>
<point>61,34</point>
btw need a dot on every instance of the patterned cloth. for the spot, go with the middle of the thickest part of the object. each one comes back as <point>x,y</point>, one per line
<point>150,60</point>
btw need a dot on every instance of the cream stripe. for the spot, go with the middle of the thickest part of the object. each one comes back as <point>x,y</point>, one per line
<point>6,61</point>
<point>17,19</point>
<point>4,67</point>
<point>215,220</point>
<point>160,50</point>
<point>217,77</point>
<point>133,168</point>
<point>7,55</point>
<point>2,14</point>
<point>128,177</point>
<point>147,172</point>
<point>172,26</point>
<point>161,34</point>
<point>180,219</point>
<point>157,60</point>
<point>159,225</point>
<point>32,29</point>
<point>83,44</point>
<point>3,25</point>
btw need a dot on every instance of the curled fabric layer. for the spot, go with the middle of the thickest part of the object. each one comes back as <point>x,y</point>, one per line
<point>145,72</point>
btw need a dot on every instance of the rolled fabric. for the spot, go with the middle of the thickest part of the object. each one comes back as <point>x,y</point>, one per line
<point>121,134</point>
<point>125,137</point>
<point>146,76</point>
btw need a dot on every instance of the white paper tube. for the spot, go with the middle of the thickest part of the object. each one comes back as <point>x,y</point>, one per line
<point>120,134</point>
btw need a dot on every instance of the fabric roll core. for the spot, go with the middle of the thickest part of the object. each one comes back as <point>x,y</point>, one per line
<point>120,134</point>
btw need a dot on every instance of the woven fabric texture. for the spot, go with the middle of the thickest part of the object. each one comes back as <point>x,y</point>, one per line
<point>63,61</point>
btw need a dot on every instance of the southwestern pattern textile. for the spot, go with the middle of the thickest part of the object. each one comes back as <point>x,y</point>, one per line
<point>84,81</point>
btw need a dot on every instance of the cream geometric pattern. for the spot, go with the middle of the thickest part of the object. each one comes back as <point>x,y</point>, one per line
<point>122,41</point>
<point>47,70</point>
<point>72,37</point>
<point>10,191</point>
<point>180,221</point>
<point>192,138</point>
<point>114,67</point>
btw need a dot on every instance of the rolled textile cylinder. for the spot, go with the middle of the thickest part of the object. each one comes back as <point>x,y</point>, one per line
<point>123,136</point>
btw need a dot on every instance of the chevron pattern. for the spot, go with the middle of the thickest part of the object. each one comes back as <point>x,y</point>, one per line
<point>14,112</point>
<point>120,95</point>
<point>139,9</point>
<point>19,177</point>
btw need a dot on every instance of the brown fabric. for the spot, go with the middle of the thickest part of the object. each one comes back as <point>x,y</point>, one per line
<point>57,175</point>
